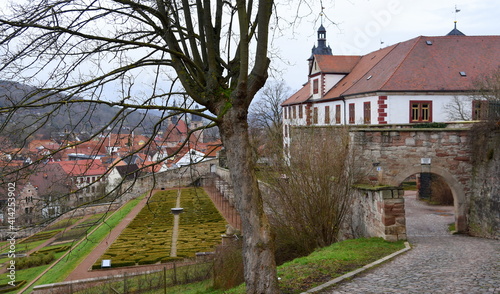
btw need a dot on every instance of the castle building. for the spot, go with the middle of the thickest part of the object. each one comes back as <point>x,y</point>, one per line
<point>415,81</point>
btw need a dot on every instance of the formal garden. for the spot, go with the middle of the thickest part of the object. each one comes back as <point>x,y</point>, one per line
<point>148,238</point>
<point>57,239</point>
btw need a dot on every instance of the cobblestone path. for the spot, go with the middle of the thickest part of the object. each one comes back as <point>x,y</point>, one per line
<point>438,263</point>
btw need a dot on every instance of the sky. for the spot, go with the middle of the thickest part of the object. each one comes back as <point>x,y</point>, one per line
<point>358,27</point>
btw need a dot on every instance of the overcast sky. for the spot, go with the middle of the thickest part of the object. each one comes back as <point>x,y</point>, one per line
<point>361,25</point>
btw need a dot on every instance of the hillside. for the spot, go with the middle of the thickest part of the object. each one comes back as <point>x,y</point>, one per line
<point>77,118</point>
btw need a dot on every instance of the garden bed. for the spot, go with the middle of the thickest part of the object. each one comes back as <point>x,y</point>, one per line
<point>147,239</point>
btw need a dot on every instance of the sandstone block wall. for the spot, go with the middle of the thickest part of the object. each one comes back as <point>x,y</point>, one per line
<point>398,154</point>
<point>376,212</point>
<point>182,177</point>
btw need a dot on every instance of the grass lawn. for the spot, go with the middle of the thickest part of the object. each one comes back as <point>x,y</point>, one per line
<point>308,272</point>
<point>62,269</point>
<point>330,262</point>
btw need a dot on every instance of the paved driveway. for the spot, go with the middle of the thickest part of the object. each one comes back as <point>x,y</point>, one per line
<point>438,263</point>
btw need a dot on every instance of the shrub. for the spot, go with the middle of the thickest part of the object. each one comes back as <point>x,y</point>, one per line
<point>171,259</point>
<point>228,266</point>
<point>41,236</point>
<point>433,125</point>
<point>34,260</point>
<point>53,249</point>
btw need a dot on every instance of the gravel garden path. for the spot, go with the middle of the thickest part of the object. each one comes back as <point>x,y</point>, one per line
<point>175,230</point>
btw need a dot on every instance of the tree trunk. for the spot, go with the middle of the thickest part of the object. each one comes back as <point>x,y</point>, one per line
<point>258,243</point>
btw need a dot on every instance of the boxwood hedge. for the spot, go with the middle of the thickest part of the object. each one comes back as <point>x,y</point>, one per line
<point>147,239</point>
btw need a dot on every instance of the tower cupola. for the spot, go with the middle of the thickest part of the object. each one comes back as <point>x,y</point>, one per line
<point>455,31</point>
<point>322,48</point>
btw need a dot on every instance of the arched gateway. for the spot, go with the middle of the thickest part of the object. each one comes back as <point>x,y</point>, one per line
<point>392,154</point>
<point>459,199</point>
<point>386,156</point>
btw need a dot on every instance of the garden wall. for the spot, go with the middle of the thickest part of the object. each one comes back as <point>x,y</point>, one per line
<point>182,177</point>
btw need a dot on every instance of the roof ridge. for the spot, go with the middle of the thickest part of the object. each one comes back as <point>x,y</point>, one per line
<point>371,67</point>
<point>402,61</point>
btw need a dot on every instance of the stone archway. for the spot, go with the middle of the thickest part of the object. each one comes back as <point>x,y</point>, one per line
<point>457,189</point>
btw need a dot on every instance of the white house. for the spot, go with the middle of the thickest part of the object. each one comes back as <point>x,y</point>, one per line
<point>119,173</point>
<point>189,157</point>
<point>410,82</point>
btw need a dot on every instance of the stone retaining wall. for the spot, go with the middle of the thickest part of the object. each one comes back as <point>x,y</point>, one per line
<point>184,176</point>
<point>376,212</point>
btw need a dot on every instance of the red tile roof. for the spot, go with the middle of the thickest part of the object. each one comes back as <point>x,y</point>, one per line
<point>437,67</point>
<point>87,167</point>
<point>47,144</point>
<point>336,63</point>
<point>359,72</point>
<point>430,64</point>
<point>176,132</point>
<point>300,96</point>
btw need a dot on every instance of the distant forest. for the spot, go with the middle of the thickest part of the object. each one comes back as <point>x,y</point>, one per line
<point>66,121</point>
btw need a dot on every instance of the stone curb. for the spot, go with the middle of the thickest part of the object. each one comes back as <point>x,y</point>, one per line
<point>356,272</point>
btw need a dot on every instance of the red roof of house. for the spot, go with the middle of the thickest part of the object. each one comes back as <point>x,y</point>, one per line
<point>150,166</point>
<point>300,96</point>
<point>213,148</point>
<point>127,141</point>
<point>47,144</point>
<point>87,167</point>
<point>50,178</point>
<point>430,64</point>
<point>336,63</point>
<point>176,132</point>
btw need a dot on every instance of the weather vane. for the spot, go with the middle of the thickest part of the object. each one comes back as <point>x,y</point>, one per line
<point>456,11</point>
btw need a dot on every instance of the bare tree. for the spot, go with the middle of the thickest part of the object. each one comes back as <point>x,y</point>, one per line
<point>481,104</point>
<point>266,111</point>
<point>312,192</point>
<point>488,91</point>
<point>489,85</point>
<point>486,108</point>
<point>459,109</point>
<point>138,56</point>
<point>266,119</point>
